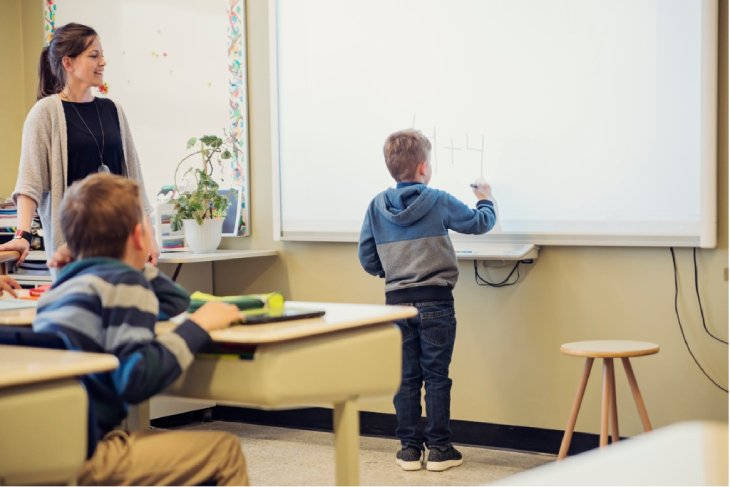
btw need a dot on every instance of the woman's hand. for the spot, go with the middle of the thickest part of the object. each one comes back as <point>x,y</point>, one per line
<point>8,284</point>
<point>19,245</point>
<point>61,257</point>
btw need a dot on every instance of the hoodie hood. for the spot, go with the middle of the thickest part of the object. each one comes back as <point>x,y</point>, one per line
<point>406,205</point>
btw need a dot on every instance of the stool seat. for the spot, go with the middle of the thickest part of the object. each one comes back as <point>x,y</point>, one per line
<point>609,348</point>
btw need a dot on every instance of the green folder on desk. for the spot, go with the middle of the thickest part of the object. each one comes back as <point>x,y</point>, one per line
<point>271,301</point>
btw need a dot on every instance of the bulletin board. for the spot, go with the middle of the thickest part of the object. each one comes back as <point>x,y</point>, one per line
<point>178,69</point>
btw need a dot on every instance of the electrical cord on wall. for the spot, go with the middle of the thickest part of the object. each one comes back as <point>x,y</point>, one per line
<point>679,321</point>
<point>699,301</point>
<point>504,282</point>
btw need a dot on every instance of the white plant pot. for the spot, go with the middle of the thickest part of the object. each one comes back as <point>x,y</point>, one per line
<point>205,237</point>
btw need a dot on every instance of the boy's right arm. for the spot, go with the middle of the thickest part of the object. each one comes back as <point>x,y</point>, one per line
<point>463,219</point>
<point>367,251</point>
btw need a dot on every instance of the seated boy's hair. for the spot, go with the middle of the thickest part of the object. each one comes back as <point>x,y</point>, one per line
<point>98,213</point>
<point>404,151</point>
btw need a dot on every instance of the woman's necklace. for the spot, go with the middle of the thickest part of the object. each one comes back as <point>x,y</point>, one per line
<point>102,167</point>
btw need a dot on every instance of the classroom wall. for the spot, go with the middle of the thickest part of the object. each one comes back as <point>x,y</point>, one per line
<point>507,367</point>
<point>21,38</point>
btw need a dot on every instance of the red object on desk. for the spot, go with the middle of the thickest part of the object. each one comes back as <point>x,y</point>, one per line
<point>39,290</point>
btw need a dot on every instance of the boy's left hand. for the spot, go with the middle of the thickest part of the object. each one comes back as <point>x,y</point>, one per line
<point>8,284</point>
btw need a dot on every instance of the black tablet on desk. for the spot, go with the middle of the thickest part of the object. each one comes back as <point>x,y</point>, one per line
<point>258,317</point>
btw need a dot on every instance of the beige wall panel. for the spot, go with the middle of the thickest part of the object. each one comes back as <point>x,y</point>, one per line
<point>11,92</point>
<point>21,39</point>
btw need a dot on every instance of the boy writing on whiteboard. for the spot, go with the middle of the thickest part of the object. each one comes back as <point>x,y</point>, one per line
<point>109,300</point>
<point>404,239</point>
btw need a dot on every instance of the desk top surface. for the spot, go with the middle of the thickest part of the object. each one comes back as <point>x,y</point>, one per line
<point>26,365</point>
<point>337,317</point>
<point>191,257</point>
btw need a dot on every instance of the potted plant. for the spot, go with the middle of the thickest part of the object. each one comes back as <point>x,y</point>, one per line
<point>199,207</point>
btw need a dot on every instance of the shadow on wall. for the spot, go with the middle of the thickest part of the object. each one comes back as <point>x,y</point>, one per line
<point>247,276</point>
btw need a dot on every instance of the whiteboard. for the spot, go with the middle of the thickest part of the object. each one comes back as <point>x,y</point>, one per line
<point>177,67</point>
<point>593,120</point>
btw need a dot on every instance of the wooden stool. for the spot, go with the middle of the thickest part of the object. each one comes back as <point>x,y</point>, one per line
<point>607,350</point>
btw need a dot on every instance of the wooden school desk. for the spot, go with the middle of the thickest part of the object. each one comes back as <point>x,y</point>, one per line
<point>352,351</point>
<point>44,413</point>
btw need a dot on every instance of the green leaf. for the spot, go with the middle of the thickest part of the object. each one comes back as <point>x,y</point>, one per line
<point>191,142</point>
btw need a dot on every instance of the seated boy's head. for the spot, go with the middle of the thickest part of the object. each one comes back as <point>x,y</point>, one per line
<point>102,216</point>
<point>407,155</point>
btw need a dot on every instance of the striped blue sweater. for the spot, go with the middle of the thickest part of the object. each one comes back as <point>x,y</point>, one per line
<point>103,305</point>
<point>404,238</point>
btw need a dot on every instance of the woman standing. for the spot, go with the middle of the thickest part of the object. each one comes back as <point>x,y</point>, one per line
<point>67,135</point>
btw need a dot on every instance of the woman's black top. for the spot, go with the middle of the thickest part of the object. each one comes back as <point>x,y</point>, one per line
<point>83,155</point>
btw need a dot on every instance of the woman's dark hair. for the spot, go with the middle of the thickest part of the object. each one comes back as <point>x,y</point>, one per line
<point>68,40</point>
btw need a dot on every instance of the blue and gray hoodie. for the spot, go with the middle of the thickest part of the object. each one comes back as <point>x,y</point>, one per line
<point>405,239</point>
<point>102,305</point>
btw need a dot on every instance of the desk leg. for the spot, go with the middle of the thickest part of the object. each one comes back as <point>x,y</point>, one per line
<point>347,443</point>
<point>138,418</point>
<point>176,272</point>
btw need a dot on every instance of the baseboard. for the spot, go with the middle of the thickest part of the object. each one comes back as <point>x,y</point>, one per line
<point>521,438</point>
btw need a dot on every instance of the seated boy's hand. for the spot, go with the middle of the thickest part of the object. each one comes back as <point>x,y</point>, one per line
<point>8,284</point>
<point>216,315</point>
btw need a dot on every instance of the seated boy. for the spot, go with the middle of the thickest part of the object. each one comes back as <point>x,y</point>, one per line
<point>405,239</point>
<point>108,300</point>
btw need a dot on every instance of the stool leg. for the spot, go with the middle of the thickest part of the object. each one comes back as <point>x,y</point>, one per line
<point>612,404</point>
<point>568,435</point>
<point>637,395</point>
<point>605,403</point>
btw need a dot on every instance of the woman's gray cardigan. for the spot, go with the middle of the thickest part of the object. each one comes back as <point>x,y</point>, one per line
<point>44,164</point>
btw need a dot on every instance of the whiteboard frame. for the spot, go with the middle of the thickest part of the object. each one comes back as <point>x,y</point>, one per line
<point>707,237</point>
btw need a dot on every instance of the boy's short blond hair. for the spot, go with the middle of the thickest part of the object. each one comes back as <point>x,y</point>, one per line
<point>99,213</point>
<point>404,151</point>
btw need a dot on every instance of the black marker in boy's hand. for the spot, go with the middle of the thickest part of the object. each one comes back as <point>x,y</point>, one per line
<point>481,189</point>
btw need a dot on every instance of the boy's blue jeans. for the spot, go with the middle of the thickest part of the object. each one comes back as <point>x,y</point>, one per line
<point>428,342</point>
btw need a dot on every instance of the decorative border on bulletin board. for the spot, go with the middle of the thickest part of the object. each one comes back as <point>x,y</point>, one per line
<point>49,19</point>
<point>237,102</point>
